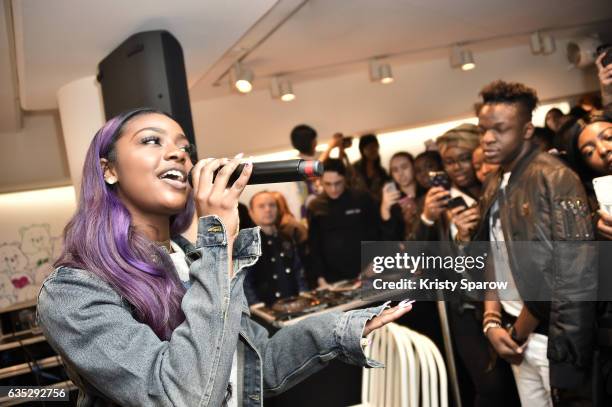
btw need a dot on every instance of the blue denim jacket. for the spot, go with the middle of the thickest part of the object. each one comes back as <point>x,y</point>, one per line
<point>114,359</point>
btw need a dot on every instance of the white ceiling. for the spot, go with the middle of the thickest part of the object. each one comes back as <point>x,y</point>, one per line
<point>331,34</point>
<point>62,40</point>
<point>59,41</point>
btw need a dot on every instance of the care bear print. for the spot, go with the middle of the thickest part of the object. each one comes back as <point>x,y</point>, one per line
<point>26,263</point>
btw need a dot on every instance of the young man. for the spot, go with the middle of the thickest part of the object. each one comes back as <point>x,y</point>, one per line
<point>535,198</point>
<point>492,381</point>
<point>278,273</point>
<point>304,140</point>
<point>339,219</point>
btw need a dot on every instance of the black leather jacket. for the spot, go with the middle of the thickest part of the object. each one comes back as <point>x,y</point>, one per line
<point>545,202</point>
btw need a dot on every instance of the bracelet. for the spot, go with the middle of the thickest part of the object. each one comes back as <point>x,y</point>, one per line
<point>490,325</point>
<point>492,319</point>
<point>496,313</point>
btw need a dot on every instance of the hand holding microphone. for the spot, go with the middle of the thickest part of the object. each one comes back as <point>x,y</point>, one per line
<point>273,172</point>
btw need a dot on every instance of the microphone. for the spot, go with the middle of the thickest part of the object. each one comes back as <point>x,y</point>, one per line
<point>269,172</point>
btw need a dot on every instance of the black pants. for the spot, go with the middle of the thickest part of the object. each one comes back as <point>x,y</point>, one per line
<point>491,376</point>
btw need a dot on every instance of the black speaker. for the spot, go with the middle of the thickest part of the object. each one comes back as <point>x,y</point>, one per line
<point>147,69</point>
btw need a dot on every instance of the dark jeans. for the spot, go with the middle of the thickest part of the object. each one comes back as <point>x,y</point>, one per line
<point>492,376</point>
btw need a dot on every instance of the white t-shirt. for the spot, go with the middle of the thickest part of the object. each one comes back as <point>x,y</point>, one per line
<point>180,264</point>
<point>500,257</point>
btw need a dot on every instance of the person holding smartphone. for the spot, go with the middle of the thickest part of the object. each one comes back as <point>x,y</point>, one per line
<point>604,71</point>
<point>401,203</point>
<point>590,155</point>
<point>437,221</point>
<point>450,212</point>
<point>142,317</point>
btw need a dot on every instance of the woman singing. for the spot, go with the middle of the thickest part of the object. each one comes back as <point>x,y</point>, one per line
<point>141,317</point>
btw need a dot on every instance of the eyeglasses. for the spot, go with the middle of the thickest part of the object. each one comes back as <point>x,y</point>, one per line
<point>462,159</point>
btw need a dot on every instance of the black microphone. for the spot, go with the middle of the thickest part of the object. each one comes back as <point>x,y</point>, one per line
<point>269,172</point>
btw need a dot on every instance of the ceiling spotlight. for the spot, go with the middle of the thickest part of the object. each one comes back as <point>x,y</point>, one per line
<point>467,60</point>
<point>286,92</point>
<point>535,42</point>
<point>548,45</point>
<point>462,58</point>
<point>281,89</point>
<point>243,78</point>
<point>380,72</point>
<point>542,44</point>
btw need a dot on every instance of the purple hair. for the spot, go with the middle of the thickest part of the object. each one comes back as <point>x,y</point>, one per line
<point>101,239</point>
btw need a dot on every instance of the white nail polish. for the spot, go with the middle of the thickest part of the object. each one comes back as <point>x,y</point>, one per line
<point>405,303</point>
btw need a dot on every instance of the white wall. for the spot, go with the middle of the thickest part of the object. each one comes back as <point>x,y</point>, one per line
<point>422,93</point>
<point>410,140</point>
<point>33,157</point>
<point>32,223</point>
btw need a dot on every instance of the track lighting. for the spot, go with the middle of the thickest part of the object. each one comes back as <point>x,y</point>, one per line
<point>542,44</point>
<point>243,78</point>
<point>467,60</point>
<point>281,89</point>
<point>286,92</point>
<point>462,58</point>
<point>380,72</point>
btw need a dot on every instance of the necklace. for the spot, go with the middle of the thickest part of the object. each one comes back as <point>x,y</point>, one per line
<point>166,245</point>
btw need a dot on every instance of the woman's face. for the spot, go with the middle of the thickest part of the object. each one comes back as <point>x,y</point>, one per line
<point>595,146</point>
<point>457,163</point>
<point>370,151</point>
<point>422,167</point>
<point>151,166</point>
<point>402,171</point>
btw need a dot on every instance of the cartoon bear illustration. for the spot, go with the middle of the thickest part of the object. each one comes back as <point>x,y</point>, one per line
<point>36,244</point>
<point>12,259</point>
<point>13,266</point>
<point>23,288</point>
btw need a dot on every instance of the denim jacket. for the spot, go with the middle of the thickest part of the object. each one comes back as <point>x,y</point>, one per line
<point>116,360</point>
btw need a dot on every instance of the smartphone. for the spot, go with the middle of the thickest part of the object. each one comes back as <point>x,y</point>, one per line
<point>605,49</point>
<point>439,179</point>
<point>390,186</point>
<point>457,202</point>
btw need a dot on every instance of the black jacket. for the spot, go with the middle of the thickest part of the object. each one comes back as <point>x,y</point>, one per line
<point>397,229</point>
<point>336,228</point>
<point>277,274</point>
<point>545,202</point>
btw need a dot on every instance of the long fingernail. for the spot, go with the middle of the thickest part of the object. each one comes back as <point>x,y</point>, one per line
<point>239,155</point>
<point>405,303</point>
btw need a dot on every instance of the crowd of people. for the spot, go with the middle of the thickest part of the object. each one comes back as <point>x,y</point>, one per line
<point>510,182</point>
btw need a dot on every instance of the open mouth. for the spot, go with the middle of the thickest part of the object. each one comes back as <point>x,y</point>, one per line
<point>490,153</point>
<point>175,178</point>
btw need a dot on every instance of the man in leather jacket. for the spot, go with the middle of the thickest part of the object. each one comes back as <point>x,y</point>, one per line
<point>535,198</point>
